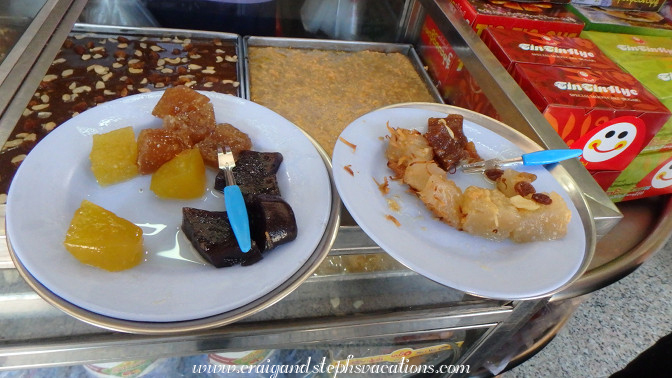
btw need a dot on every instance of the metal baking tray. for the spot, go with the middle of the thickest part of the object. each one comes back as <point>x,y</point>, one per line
<point>106,31</point>
<point>326,44</point>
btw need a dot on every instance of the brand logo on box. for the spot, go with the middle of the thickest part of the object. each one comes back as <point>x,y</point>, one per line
<point>612,145</point>
<point>646,49</point>
<point>594,88</point>
<point>556,50</point>
<point>665,76</point>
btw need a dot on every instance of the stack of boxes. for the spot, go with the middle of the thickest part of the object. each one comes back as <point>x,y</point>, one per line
<point>649,59</point>
<point>592,103</point>
<point>615,110</point>
<point>455,83</point>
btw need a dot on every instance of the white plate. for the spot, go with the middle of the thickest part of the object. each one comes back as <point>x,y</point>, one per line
<point>492,269</point>
<point>172,284</point>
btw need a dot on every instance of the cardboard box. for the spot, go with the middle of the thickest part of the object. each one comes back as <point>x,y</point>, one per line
<point>456,85</point>
<point>656,76</point>
<point>626,47</point>
<point>619,21</point>
<point>662,141</point>
<point>637,5</point>
<point>605,178</point>
<point>441,60</point>
<point>544,18</point>
<point>607,113</point>
<point>512,47</point>
<point>648,175</point>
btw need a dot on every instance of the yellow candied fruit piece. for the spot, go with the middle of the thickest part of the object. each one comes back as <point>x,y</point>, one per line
<point>183,177</point>
<point>114,156</point>
<point>100,238</point>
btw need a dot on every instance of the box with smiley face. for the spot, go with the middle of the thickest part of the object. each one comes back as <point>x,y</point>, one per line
<point>648,175</point>
<point>538,17</point>
<point>512,47</point>
<point>606,113</point>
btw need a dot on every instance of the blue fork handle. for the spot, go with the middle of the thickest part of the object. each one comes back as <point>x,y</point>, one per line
<point>550,156</point>
<point>237,212</point>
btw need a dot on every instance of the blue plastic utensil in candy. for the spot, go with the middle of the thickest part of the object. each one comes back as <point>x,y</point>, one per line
<point>531,158</point>
<point>235,204</point>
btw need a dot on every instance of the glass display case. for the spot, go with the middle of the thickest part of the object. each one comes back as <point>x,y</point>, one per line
<point>354,303</point>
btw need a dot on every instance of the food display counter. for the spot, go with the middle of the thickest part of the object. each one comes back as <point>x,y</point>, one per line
<point>352,298</point>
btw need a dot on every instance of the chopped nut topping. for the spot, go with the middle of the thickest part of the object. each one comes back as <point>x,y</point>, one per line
<point>48,126</point>
<point>44,98</point>
<point>137,53</point>
<point>156,48</point>
<point>107,76</point>
<point>108,92</point>
<point>12,143</point>
<point>166,70</point>
<point>173,60</point>
<point>67,73</point>
<point>219,59</point>
<point>97,56</point>
<point>40,107</point>
<point>144,90</point>
<point>135,70</point>
<point>18,158</point>
<point>100,85</point>
<point>58,61</point>
<point>86,57</point>
<point>82,89</point>
<point>49,78</point>
<point>27,112</point>
<point>101,70</point>
<point>117,65</point>
<point>231,59</point>
<point>43,115</point>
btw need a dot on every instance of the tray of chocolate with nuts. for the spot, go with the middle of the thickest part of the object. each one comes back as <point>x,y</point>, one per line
<point>97,64</point>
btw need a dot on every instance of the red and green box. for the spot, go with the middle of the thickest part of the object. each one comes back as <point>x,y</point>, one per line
<point>539,17</point>
<point>648,175</point>
<point>512,47</point>
<point>607,113</point>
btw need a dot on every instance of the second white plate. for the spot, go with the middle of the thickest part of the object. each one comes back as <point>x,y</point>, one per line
<point>492,269</point>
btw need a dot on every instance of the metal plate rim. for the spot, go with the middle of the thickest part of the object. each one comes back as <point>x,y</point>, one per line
<point>168,328</point>
<point>558,172</point>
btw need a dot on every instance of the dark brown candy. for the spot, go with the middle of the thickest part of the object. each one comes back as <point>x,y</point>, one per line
<point>447,139</point>
<point>493,173</point>
<point>272,221</point>
<point>211,235</point>
<point>542,198</point>
<point>255,173</point>
<point>524,188</point>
